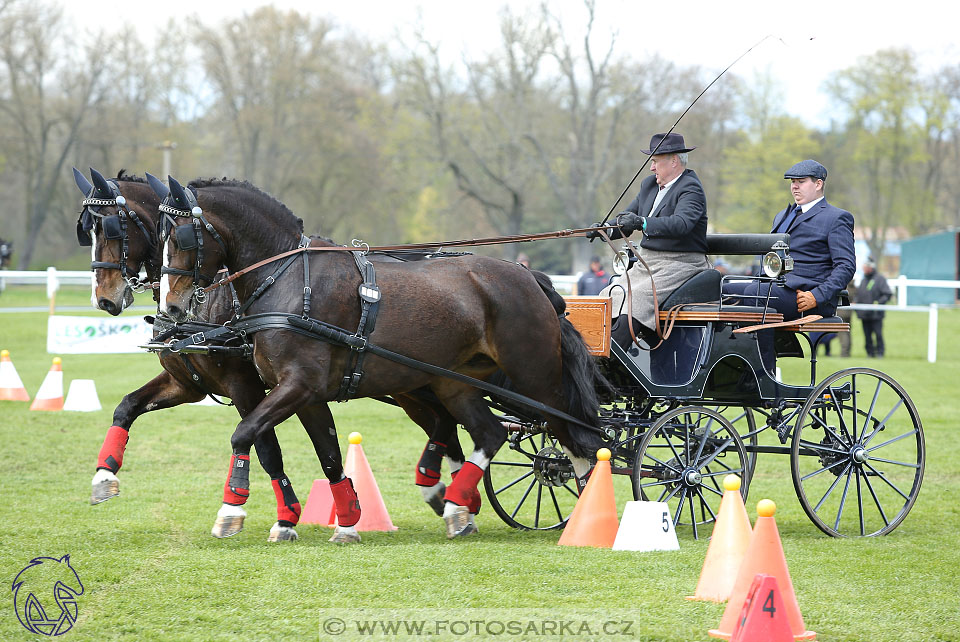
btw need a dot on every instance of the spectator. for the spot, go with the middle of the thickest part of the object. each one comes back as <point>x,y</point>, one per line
<point>523,260</point>
<point>594,279</point>
<point>873,289</point>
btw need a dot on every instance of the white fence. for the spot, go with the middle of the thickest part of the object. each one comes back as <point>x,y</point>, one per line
<point>564,283</point>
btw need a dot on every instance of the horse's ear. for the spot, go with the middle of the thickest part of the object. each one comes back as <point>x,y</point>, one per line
<point>176,191</point>
<point>157,185</point>
<point>103,188</point>
<point>82,181</point>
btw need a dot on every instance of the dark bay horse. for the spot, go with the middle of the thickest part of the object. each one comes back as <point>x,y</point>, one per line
<point>188,378</point>
<point>470,314</point>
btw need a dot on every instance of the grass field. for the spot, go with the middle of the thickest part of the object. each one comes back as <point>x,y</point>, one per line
<point>151,570</point>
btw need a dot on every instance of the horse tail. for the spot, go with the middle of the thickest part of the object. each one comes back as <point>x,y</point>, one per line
<point>580,378</point>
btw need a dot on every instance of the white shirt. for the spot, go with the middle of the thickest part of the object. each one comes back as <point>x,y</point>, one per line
<point>806,206</point>
<point>662,193</point>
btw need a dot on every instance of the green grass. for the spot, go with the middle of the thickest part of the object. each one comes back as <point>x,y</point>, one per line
<point>152,571</point>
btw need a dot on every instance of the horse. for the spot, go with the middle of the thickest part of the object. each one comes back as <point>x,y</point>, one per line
<point>117,241</point>
<point>465,316</point>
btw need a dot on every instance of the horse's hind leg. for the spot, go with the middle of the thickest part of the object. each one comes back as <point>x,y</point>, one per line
<point>441,427</point>
<point>163,391</point>
<point>488,435</point>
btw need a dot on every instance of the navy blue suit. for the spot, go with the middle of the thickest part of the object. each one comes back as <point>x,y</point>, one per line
<point>824,260</point>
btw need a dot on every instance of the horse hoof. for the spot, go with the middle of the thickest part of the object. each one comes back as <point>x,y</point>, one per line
<point>459,523</point>
<point>343,536</point>
<point>280,533</point>
<point>105,486</point>
<point>435,501</point>
<point>229,521</point>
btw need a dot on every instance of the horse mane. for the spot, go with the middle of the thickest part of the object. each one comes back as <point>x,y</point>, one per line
<point>132,178</point>
<point>246,185</point>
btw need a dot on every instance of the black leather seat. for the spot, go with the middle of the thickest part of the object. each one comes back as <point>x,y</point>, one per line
<point>701,288</point>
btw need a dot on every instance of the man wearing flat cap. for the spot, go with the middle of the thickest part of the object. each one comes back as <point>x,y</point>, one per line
<point>671,210</point>
<point>821,244</point>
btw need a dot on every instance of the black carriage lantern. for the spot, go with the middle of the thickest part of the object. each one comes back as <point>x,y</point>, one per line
<point>777,262</point>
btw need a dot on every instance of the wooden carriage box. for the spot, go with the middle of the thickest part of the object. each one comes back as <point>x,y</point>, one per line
<point>591,316</point>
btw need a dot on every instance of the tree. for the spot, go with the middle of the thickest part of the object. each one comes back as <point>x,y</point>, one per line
<point>46,94</point>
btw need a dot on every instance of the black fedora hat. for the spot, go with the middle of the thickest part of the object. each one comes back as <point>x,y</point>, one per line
<point>671,144</point>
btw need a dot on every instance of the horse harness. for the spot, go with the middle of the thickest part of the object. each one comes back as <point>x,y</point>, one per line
<point>189,236</point>
<point>115,228</point>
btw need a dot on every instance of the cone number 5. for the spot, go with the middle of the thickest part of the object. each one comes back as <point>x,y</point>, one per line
<point>666,522</point>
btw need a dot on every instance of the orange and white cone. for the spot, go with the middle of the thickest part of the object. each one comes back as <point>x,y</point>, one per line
<point>50,395</point>
<point>728,545</point>
<point>11,387</point>
<point>593,521</point>
<point>374,516</point>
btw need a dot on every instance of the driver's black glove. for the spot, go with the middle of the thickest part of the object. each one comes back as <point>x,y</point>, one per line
<point>630,222</point>
<point>595,234</point>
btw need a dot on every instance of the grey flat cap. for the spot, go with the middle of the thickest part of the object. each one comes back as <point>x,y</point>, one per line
<point>806,168</point>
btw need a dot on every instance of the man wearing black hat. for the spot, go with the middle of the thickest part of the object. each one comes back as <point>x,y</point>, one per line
<point>821,244</point>
<point>671,209</point>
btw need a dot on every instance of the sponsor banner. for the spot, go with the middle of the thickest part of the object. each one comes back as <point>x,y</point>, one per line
<point>96,335</point>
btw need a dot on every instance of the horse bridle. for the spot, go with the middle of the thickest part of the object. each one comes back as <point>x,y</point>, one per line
<point>114,228</point>
<point>189,237</point>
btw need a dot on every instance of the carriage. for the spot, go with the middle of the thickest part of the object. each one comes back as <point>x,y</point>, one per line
<point>677,418</point>
<point>702,405</point>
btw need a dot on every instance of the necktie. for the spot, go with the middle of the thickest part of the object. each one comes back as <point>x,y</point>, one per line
<point>789,219</point>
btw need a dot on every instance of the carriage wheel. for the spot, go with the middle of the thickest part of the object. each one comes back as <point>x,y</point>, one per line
<point>682,461</point>
<point>530,483</point>
<point>858,454</point>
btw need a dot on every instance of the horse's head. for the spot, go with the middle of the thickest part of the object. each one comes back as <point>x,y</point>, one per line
<point>118,221</point>
<point>193,252</point>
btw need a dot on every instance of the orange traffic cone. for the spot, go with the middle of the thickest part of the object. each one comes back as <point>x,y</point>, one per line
<point>764,556</point>
<point>50,395</point>
<point>594,518</point>
<point>731,536</point>
<point>11,388</point>
<point>763,618</point>
<point>320,508</point>
<point>374,515</point>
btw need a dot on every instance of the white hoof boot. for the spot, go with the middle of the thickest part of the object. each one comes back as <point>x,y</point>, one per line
<point>345,535</point>
<point>105,486</point>
<point>458,521</point>
<point>280,533</point>
<point>229,521</point>
<point>433,495</point>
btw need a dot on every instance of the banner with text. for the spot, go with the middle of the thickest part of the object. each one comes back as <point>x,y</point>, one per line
<point>96,335</point>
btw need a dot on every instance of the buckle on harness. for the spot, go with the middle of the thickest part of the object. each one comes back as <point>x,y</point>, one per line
<point>197,337</point>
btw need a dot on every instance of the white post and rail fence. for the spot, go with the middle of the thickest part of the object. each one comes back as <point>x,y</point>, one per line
<point>54,278</point>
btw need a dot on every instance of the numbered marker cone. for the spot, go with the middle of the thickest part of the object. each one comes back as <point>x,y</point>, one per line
<point>50,395</point>
<point>646,526</point>
<point>82,396</point>
<point>731,536</point>
<point>320,508</point>
<point>373,516</point>
<point>763,618</point>
<point>764,556</point>
<point>593,521</point>
<point>11,387</point>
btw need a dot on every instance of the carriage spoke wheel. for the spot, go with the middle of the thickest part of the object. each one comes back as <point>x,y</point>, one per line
<point>530,483</point>
<point>858,454</point>
<point>682,461</point>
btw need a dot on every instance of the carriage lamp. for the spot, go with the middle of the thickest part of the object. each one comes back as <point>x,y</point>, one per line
<point>777,262</point>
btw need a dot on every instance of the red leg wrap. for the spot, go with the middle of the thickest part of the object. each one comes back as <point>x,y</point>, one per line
<point>288,506</point>
<point>428,468</point>
<point>462,491</point>
<point>111,453</point>
<point>237,489</point>
<point>348,505</point>
<point>475,500</point>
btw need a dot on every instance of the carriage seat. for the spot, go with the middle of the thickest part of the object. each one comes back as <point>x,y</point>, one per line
<point>739,314</point>
<point>700,288</point>
<point>826,325</point>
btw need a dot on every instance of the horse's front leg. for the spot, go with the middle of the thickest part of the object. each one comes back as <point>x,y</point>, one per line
<point>163,391</point>
<point>279,405</point>
<point>318,422</point>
